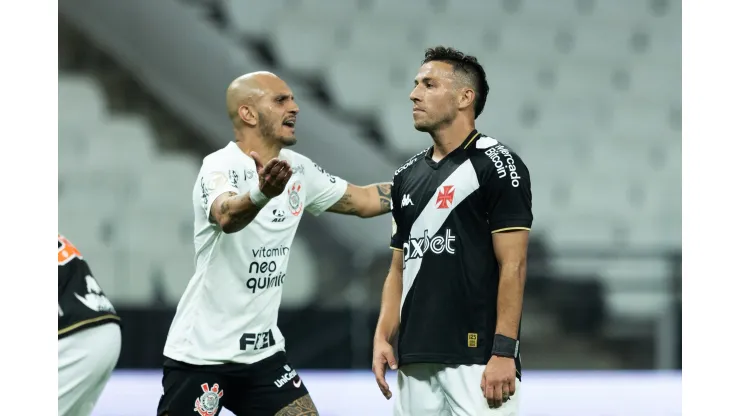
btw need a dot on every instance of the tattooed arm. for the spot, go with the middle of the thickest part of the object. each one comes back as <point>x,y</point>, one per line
<point>233,212</point>
<point>364,201</point>
<point>302,406</point>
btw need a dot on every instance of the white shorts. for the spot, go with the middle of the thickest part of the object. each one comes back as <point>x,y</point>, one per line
<point>86,361</point>
<point>447,390</point>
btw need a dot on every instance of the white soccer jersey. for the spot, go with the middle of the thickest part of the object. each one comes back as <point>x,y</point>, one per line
<point>229,310</point>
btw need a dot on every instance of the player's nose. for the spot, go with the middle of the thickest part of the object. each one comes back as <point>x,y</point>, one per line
<point>414,96</point>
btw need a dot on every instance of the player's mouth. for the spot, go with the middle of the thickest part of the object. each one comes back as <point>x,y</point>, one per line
<point>290,123</point>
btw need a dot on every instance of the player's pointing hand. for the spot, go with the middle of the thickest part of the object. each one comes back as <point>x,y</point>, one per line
<point>273,175</point>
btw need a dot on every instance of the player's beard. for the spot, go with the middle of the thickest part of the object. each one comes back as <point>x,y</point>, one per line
<point>269,127</point>
<point>430,126</point>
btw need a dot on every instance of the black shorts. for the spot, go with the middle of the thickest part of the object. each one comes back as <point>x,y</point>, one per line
<point>262,388</point>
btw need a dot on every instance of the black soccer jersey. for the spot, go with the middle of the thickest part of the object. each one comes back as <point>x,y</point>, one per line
<point>444,215</point>
<point>82,303</point>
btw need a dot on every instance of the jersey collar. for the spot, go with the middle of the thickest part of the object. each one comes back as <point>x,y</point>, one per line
<point>453,154</point>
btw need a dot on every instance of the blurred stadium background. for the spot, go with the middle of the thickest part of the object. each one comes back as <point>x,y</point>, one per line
<point>588,92</point>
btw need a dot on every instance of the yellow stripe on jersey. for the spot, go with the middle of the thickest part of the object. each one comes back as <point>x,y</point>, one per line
<point>510,229</point>
<point>86,322</point>
<point>472,139</point>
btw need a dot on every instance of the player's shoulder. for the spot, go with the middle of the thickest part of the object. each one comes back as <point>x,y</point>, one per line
<point>410,162</point>
<point>491,153</point>
<point>497,161</point>
<point>223,156</point>
<point>293,157</point>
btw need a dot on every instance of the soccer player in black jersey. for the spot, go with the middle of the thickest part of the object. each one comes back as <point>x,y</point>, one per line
<point>462,211</point>
<point>88,331</point>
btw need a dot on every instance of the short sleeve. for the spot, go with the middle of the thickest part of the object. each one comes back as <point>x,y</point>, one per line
<point>396,236</point>
<point>216,178</point>
<point>508,194</point>
<point>323,189</point>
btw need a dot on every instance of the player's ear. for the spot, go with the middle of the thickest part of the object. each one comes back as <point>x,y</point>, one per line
<point>466,98</point>
<point>248,115</point>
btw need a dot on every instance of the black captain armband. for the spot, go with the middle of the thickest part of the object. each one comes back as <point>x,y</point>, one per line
<point>504,346</point>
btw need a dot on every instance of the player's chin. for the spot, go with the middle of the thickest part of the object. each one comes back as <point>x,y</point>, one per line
<point>422,126</point>
<point>288,140</point>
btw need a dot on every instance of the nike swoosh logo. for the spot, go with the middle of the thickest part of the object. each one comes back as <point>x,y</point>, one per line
<point>297,384</point>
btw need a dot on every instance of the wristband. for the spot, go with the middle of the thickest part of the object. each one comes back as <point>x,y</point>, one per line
<point>258,198</point>
<point>504,346</point>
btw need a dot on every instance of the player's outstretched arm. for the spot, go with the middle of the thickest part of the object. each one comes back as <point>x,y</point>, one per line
<point>233,212</point>
<point>388,323</point>
<point>364,201</point>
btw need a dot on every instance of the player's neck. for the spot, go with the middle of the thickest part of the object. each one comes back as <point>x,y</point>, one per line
<point>449,138</point>
<point>250,143</point>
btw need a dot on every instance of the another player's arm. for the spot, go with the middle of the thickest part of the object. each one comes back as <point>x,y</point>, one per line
<point>364,201</point>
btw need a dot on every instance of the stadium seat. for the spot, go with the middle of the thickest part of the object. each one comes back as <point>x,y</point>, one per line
<point>655,82</point>
<point>584,80</point>
<point>459,34</point>
<point>599,43</point>
<point>305,43</point>
<point>585,231</point>
<point>385,39</point>
<point>407,10</point>
<point>80,99</point>
<point>622,11</point>
<point>519,41</point>
<point>246,19</point>
<point>477,11</point>
<point>167,183</point>
<point>537,11</point>
<point>637,306</point>
<point>330,12</point>
<point>357,83</point>
<point>136,285</point>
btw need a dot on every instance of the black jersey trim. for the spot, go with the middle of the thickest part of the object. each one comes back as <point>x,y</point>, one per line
<point>88,323</point>
<point>396,248</point>
<point>511,229</point>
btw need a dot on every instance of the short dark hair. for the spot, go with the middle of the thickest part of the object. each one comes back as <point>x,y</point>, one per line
<point>468,65</point>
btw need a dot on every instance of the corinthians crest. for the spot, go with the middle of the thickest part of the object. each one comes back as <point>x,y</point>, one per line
<point>294,199</point>
<point>207,404</point>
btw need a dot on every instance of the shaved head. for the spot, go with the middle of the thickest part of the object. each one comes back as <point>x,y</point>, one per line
<point>263,101</point>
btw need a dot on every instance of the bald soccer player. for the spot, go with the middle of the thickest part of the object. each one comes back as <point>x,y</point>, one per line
<point>224,348</point>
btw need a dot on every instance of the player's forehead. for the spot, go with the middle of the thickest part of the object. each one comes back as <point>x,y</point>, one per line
<point>434,70</point>
<point>276,87</point>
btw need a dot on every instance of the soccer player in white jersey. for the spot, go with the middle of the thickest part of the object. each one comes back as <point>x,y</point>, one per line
<point>462,211</point>
<point>224,348</point>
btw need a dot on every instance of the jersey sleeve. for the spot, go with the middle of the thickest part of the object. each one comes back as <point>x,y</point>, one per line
<point>216,178</point>
<point>322,189</point>
<point>508,194</point>
<point>396,236</point>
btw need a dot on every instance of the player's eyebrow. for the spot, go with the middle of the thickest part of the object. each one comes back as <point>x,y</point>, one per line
<point>283,97</point>
<point>424,80</point>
